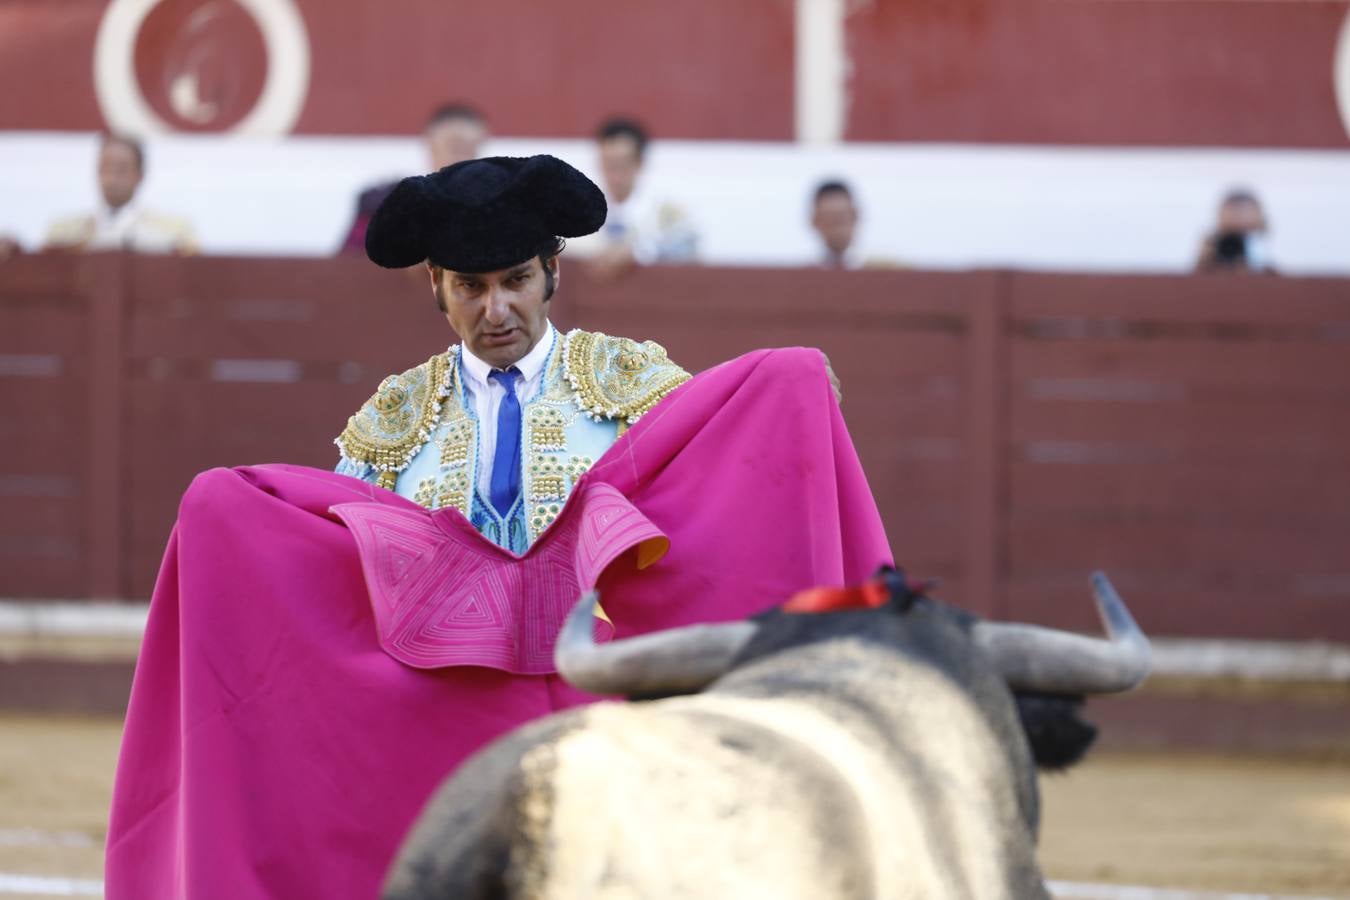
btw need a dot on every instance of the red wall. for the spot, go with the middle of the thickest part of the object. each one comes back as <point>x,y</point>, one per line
<point>1088,72</point>
<point>1126,72</point>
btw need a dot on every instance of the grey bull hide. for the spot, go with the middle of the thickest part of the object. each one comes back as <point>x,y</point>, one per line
<point>877,753</point>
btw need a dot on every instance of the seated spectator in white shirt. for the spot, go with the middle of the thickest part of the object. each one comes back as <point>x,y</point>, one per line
<point>639,229</point>
<point>834,216</point>
<point>120,223</point>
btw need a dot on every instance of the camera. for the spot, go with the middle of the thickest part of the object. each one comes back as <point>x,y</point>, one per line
<point>1230,248</point>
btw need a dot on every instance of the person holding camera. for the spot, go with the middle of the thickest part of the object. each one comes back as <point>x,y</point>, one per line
<point>1240,241</point>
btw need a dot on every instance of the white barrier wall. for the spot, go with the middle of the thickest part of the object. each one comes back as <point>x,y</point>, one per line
<point>931,206</point>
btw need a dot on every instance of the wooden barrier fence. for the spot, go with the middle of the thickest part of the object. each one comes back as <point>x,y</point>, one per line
<point>1188,435</point>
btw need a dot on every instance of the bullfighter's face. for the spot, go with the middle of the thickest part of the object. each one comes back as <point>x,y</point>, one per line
<point>499,315</point>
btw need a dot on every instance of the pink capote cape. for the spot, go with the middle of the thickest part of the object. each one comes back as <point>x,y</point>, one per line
<point>275,749</point>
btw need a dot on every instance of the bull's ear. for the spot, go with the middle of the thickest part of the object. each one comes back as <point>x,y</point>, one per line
<point>1058,737</point>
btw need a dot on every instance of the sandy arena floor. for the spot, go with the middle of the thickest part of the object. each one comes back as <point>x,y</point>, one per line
<point>1257,826</point>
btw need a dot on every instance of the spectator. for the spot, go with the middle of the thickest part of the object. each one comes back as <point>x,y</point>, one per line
<point>121,222</point>
<point>639,229</point>
<point>9,246</point>
<point>1240,239</point>
<point>834,216</point>
<point>454,133</point>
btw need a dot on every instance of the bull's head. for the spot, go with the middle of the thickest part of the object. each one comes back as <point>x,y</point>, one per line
<point>805,732</point>
<point>1029,658</point>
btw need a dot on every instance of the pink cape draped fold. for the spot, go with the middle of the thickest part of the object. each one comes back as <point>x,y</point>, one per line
<point>275,749</point>
<point>443,596</point>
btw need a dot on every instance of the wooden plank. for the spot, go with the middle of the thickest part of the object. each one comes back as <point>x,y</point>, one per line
<point>749,296</point>
<point>915,464</point>
<point>1183,368</point>
<point>66,686</point>
<point>208,286</point>
<point>39,277</point>
<point>148,535</point>
<point>45,455</point>
<point>42,411</point>
<point>51,506</point>
<point>42,533</point>
<point>1200,491</point>
<point>103,276</point>
<point>985,403</point>
<point>917,430</point>
<point>254,448</point>
<point>875,414</point>
<point>1177,545</point>
<point>698,345</point>
<point>1293,422</point>
<point>305,309</point>
<point>1181,300</point>
<point>168,415</point>
<point>1153,451</point>
<point>44,387</point>
<point>411,340</point>
<point>37,566</point>
<point>1213,723</point>
<point>34,329</point>
<point>921,539</point>
<point>1190,609</point>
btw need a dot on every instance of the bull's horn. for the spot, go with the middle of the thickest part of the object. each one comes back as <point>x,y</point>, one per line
<point>676,661</point>
<point>1058,662</point>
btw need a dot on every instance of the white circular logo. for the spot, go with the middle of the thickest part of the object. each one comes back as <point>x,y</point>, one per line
<point>278,105</point>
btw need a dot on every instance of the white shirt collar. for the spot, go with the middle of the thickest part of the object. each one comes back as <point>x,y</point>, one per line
<point>851,259</point>
<point>530,365</point>
<point>120,217</point>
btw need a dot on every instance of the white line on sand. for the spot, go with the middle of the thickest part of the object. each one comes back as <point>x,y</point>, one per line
<point>1310,661</point>
<point>51,887</point>
<point>31,837</point>
<point>73,618</point>
<point>1063,890</point>
<point>1072,890</point>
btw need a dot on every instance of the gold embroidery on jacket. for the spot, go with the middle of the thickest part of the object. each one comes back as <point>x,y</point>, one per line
<point>547,427</point>
<point>547,476</point>
<point>453,490</point>
<point>458,433</point>
<point>544,514</point>
<point>392,426</point>
<point>578,466</point>
<point>425,494</point>
<point>618,378</point>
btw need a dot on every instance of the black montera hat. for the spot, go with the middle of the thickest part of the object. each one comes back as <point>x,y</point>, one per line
<point>484,214</point>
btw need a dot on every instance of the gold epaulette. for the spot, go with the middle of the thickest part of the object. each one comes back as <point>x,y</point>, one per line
<point>389,429</point>
<point>617,378</point>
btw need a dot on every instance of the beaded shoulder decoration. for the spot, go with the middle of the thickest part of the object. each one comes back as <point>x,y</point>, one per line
<point>617,378</point>
<point>609,377</point>
<point>391,427</point>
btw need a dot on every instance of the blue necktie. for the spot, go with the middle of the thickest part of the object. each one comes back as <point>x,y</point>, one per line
<point>505,484</point>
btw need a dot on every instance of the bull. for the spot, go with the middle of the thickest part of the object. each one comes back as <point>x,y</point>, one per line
<point>882,747</point>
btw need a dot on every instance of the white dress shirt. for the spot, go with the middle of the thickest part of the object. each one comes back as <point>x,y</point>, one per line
<point>485,397</point>
<point>656,230</point>
<point>129,227</point>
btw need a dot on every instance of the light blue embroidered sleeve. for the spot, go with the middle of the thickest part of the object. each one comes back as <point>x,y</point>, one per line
<point>363,471</point>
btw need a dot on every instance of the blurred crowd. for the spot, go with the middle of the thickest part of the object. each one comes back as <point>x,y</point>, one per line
<point>642,228</point>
